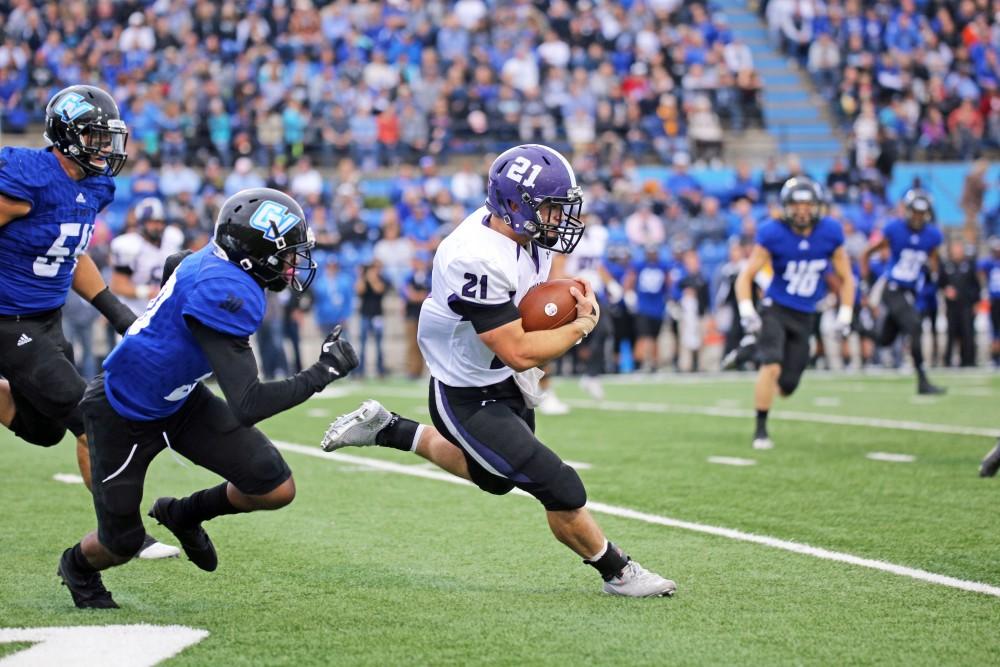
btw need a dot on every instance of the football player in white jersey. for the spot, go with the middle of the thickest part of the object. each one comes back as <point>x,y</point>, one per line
<point>137,257</point>
<point>484,365</point>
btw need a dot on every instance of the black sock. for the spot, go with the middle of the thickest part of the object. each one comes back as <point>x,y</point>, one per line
<point>80,561</point>
<point>762,422</point>
<point>611,562</point>
<point>398,433</point>
<point>203,505</point>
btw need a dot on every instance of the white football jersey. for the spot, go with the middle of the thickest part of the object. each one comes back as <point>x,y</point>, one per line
<point>480,265</point>
<point>588,257</point>
<point>144,260</point>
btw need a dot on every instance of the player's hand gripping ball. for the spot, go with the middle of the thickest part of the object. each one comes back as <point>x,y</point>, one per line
<point>549,305</point>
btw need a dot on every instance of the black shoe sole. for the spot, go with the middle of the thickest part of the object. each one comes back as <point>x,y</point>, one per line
<point>203,556</point>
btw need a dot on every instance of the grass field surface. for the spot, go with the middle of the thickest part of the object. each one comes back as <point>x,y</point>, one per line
<point>379,562</point>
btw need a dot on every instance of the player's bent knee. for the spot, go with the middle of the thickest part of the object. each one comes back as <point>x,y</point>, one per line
<point>564,492</point>
<point>497,486</point>
<point>44,433</point>
<point>125,544</point>
<point>787,386</point>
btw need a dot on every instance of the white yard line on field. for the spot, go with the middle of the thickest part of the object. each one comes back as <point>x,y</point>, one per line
<point>892,458</point>
<point>731,461</point>
<point>626,513</point>
<point>786,415</point>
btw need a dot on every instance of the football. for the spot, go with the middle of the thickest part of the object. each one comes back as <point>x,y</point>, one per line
<point>549,305</point>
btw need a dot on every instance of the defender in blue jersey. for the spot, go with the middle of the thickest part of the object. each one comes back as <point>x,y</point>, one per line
<point>48,201</point>
<point>801,247</point>
<point>150,395</point>
<point>913,247</point>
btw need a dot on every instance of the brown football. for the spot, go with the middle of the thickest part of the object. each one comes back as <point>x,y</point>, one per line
<point>549,305</point>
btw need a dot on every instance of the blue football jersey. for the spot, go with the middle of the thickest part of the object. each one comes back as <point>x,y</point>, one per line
<point>158,363</point>
<point>991,267</point>
<point>799,262</point>
<point>38,252</point>
<point>909,251</point>
<point>651,288</point>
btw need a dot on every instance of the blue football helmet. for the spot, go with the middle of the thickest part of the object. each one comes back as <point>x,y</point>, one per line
<point>802,190</point>
<point>919,209</point>
<point>533,189</point>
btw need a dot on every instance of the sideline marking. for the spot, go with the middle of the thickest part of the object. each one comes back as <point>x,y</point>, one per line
<point>626,513</point>
<point>893,458</point>
<point>789,415</point>
<point>731,461</point>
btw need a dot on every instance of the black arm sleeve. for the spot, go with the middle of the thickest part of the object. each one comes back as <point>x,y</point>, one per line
<point>235,367</point>
<point>486,318</point>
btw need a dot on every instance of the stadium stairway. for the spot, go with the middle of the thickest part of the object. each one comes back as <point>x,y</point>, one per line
<point>797,119</point>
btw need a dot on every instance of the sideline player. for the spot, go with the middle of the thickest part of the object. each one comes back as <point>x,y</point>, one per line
<point>150,395</point>
<point>801,247</point>
<point>49,198</point>
<point>480,358</point>
<point>913,244</point>
<point>137,258</point>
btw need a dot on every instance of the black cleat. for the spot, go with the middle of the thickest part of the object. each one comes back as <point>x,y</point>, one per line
<point>990,464</point>
<point>925,388</point>
<point>88,590</point>
<point>194,540</point>
<point>741,356</point>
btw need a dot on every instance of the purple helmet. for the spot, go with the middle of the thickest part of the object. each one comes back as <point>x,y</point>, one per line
<point>530,181</point>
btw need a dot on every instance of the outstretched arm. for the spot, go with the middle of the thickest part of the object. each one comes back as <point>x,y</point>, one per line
<point>235,367</point>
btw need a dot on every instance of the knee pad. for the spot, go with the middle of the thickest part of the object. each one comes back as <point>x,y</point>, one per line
<point>788,385</point>
<point>269,471</point>
<point>123,542</point>
<point>564,492</point>
<point>36,429</point>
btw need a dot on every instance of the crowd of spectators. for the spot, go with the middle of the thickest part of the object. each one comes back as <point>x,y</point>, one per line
<point>916,77</point>
<point>385,82</point>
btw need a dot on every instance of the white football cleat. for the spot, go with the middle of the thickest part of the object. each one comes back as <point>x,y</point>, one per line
<point>763,443</point>
<point>635,581</point>
<point>551,405</point>
<point>592,386</point>
<point>357,428</point>
<point>152,549</point>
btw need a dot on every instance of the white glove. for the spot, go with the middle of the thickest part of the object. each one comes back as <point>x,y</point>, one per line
<point>749,319</point>
<point>845,315</point>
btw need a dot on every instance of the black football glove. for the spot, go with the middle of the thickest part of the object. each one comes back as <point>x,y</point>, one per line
<point>338,355</point>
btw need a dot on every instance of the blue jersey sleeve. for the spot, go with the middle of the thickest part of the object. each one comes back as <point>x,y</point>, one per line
<point>836,233</point>
<point>16,179</point>
<point>935,236</point>
<point>226,305</point>
<point>766,236</point>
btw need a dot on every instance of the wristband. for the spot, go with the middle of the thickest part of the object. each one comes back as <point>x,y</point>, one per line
<point>845,314</point>
<point>119,315</point>
<point>746,308</point>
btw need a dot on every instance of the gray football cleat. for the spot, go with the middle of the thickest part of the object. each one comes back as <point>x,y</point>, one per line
<point>990,464</point>
<point>357,428</point>
<point>634,581</point>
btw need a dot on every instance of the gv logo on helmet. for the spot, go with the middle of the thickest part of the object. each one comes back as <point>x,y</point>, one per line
<point>273,219</point>
<point>72,106</point>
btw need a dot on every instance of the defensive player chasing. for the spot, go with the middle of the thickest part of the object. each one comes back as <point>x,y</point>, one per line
<point>912,243</point>
<point>150,395</point>
<point>801,247</point>
<point>480,358</point>
<point>49,198</point>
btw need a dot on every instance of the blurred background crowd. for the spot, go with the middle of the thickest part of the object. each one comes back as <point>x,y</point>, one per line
<point>381,118</point>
